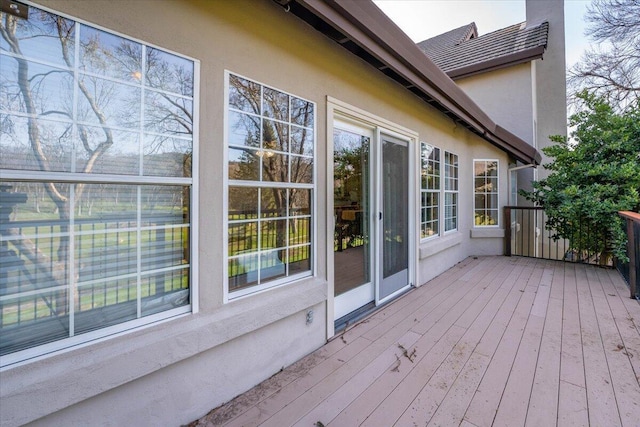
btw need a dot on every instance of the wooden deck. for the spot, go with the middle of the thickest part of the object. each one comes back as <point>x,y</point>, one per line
<point>493,341</point>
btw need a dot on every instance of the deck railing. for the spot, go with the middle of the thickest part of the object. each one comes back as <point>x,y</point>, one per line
<point>630,269</point>
<point>33,279</point>
<point>528,234</point>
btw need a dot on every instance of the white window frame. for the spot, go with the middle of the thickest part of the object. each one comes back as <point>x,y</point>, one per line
<point>497,193</point>
<point>436,191</point>
<point>77,341</point>
<point>228,295</point>
<point>456,192</point>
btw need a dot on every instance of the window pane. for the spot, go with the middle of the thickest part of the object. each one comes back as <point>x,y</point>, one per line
<point>243,238</point>
<point>430,173</point>
<point>300,202</point>
<point>301,112</point>
<point>243,203</point>
<point>46,89</point>
<point>244,164</point>
<point>243,272</point>
<point>244,95</point>
<point>299,259</point>
<point>492,185</point>
<point>104,102</point>
<point>275,167</point>
<point>301,141</point>
<point>121,155</point>
<point>166,114</point>
<point>275,136</point>
<point>275,104</point>
<point>164,291</point>
<point>299,231</point>
<point>273,265</point>
<point>244,130</point>
<point>164,247</point>
<point>273,234</point>
<point>301,169</point>
<point>273,202</point>
<point>480,184</point>
<point>19,150</point>
<point>166,156</point>
<point>105,304</point>
<point>169,72</point>
<point>110,55</point>
<point>42,36</point>
<point>104,249</point>
<point>31,320</point>
<point>164,205</point>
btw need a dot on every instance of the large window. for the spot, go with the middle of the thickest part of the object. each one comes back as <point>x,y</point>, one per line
<point>270,138</point>
<point>429,190</point>
<point>450,191</point>
<point>485,192</point>
<point>96,157</point>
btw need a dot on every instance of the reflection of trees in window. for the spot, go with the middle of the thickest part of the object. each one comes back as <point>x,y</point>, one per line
<point>270,140</point>
<point>429,190</point>
<point>486,192</point>
<point>81,100</point>
<point>348,162</point>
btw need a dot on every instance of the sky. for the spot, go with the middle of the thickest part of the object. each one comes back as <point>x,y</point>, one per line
<point>422,19</point>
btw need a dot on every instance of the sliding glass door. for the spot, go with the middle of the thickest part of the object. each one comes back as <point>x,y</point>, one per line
<point>371,216</point>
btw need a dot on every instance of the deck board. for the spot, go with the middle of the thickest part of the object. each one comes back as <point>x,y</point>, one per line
<point>497,341</point>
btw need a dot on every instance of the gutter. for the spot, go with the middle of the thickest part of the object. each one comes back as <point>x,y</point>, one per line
<point>497,63</point>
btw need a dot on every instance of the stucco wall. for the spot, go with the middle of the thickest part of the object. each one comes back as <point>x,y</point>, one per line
<point>551,83</point>
<point>174,371</point>
<point>506,95</point>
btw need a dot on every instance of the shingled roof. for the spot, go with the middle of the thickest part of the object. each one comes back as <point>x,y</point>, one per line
<point>459,53</point>
<point>433,46</point>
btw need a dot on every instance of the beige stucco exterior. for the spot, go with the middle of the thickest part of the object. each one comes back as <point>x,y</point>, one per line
<point>175,371</point>
<point>529,99</point>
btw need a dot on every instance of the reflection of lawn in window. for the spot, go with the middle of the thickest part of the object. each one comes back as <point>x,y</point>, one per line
<point>105,250</point>
<point>243,241</point>
<point>90,297</point>
<point>243,237</point>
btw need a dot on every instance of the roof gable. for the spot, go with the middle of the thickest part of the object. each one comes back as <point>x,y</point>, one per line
<point>433,46</point>
<point>508,46</point>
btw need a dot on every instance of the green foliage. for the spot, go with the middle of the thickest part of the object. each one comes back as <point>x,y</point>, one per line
<point>593,178</point>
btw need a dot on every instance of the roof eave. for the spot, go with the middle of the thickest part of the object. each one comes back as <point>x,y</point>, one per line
<point>393,53</point>
<point>520,57</point>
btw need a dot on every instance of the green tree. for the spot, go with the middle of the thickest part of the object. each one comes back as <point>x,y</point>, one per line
<point>592,178</point>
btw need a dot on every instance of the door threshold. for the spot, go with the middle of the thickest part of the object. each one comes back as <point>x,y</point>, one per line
<point>353,317</point>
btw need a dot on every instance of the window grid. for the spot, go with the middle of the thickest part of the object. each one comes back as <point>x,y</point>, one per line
<point>450,191</point>
<point>151,240</point>
<point>486,208</point>
<point>270,169</point>
<point>429,190</point>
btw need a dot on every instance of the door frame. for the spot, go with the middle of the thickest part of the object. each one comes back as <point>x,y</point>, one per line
<point>338,110</point>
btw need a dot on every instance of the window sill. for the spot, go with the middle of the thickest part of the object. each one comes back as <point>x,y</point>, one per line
<point>432,247</point>
<point>483,233</point>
